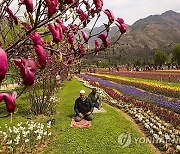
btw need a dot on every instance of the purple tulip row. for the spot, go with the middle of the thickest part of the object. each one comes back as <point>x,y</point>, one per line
<point>173,104</point>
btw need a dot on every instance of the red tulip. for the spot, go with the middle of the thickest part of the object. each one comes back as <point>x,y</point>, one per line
<point>56,31</point>
<point>12,15</point>
<point>110,15</point>
<point>41,55</point>
<point>52,5</point>
<point>3,64</point>
<point>9,101</point>
<point>97,45</point>
<point>28,4</point>
<point>98,4</point>
<point>85,36</point>
<point>28,69</point>
<point>71,38</point>
<point>104,39</point>
<point>36,38</point>
<point>122,26</point>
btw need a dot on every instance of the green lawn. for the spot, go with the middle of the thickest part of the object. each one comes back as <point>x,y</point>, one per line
<point>101,138</point>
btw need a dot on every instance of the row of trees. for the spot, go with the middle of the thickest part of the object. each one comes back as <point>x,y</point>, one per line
<point>161,57</point>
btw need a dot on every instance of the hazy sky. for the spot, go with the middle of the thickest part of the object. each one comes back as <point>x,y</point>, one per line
<point>132,10</point>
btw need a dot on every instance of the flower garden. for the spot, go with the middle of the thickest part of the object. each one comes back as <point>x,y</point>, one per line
<point>42,45</point>
<point>157,115</point>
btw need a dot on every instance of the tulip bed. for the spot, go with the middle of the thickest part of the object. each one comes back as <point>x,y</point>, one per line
<point>160,124</point>
<point>153,75</point>
<point>165,88</point>
<point>138,94</point>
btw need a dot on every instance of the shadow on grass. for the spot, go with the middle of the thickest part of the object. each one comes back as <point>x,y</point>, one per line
<point>71,115</point>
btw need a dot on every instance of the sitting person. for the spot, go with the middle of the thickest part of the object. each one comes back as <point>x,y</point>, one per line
<point>95,99</point>
<point>83,107</point>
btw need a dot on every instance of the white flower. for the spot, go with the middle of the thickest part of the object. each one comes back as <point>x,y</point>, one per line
<point>49,134</point>
<point>10,130</point>
<point>49,125</point>
<point>5,137</point>
<point>31,126</point>
<point>22,128</point>
<point>18,137</point>
<point>19,124</point>
<point>17,142</point>
<point>45,133</point>
<point>40,131</point>
<point>10,142</point>
<point>38,137</point>
<point>15,130</point>
<point>42,126</point>
<point>26,140</point>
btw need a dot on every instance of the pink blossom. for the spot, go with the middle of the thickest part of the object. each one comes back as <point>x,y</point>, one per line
<point>9,101</point>
<point>110,15</point>
<point>104,39</point>
<point>73,27</point>
<point>41,55</point>
<point>52,5</point>
<point>28,4</point>
<point>122,26</point>
<point>36,38</point>
<point>85,36</point>
<point>83,17</point>
<point>98,4</point>
<point>71,38</point>
<point>56,31</point>
<point>87,5</point>
<point>97,45</point>
<point>59,21</point>
<point>12,15</point>
<point>3,64</point>
<point>81,49</point>
<point>28,69</point>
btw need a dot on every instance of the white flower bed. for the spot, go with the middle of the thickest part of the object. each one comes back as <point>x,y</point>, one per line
<point>24,136</point>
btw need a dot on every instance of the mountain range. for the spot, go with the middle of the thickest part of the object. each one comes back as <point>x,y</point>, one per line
<point>142,39</point>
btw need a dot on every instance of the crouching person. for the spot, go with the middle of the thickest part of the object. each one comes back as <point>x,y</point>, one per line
<point>95,98</point>
<point>83,107</point>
